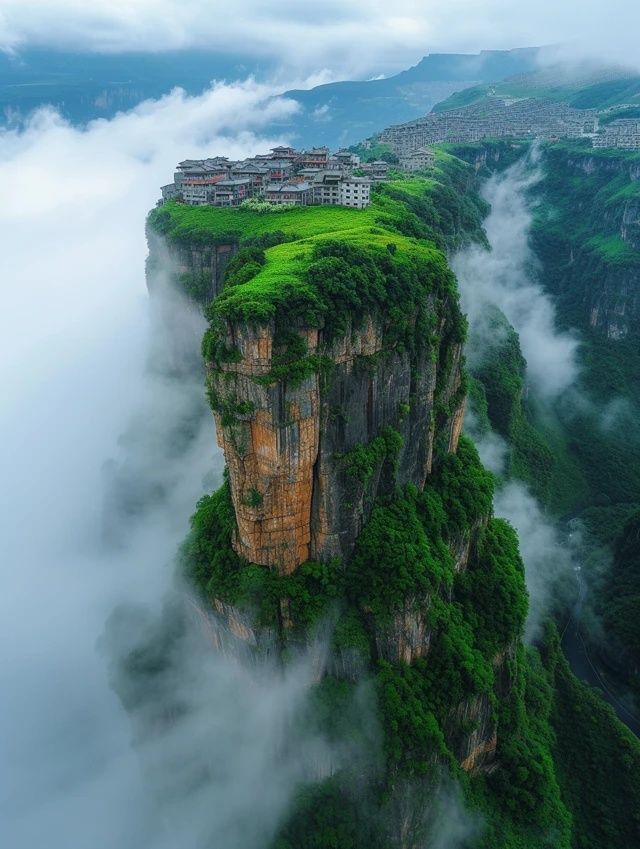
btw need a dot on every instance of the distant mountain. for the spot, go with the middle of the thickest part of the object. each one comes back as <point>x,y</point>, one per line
<point>344,113</point>
<point>84,86</point>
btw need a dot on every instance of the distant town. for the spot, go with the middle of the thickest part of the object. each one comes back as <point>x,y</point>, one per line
<point>497,117</point>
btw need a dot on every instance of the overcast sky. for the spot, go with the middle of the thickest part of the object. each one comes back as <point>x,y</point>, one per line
<point>347,36</point>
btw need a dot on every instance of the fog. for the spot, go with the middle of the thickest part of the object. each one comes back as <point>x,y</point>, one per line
<point>106,447</point>
<point>505,278</point>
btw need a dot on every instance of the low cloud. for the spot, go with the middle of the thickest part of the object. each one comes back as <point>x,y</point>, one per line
<point>504,278</point>
<point>351,38</point>
<point>106,448</point>
<point>548,558</point>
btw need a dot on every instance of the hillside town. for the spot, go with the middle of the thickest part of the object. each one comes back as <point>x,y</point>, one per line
<point>508,118</point>
<point>623,133</point>
<point>495,118</point>
<point>285,176</point>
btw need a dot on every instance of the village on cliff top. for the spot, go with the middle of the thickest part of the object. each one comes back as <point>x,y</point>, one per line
<point>286,176</point>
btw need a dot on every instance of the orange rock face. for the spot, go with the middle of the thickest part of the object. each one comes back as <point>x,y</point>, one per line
<point>270,454</point>
<point>284,442</point>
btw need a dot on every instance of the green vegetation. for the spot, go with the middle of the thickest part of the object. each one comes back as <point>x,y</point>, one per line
<point>475,618</point>
<point>373,151</point>
<point>537,454</point>
<point>327,268</point>
<point>613,250</point>
<point>488,155</point>
<point>629,112</point>
<point>597,759</point>
<point>620,604</point>
<point>587,268</point>
<point>580,91</point>
<point>363,460</point>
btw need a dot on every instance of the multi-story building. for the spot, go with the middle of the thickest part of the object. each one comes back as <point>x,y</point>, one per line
<point>491,118</point>
<point>289,194</point>
<point>279,170</point>
<point>346,160</point>
<point>355,192</point>
<point>623,133</point>
<point>170,191</point>
<point>257,174</point>
<point>326,187</point>
<point>283,176</point>
<point>195,194</point>
<point>317,157</point>
<point>377,170</point>
<point>283,152</point>
<point>418,160</point>
<point>231,192</point>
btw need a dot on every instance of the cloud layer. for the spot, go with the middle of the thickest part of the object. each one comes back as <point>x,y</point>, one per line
<point>350,37</point>
<point>84,409</point>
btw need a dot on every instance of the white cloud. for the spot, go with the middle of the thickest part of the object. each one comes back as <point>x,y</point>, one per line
<point>74,333</point>
<point>504,277</point>
<point>349,36</point>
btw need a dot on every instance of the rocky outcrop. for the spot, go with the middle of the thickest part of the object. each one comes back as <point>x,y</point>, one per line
<point>288,442</point>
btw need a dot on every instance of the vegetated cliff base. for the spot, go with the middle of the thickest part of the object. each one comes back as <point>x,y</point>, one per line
<point>334,371</point>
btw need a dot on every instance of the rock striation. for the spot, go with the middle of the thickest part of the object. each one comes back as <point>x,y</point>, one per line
<point>287,445</point>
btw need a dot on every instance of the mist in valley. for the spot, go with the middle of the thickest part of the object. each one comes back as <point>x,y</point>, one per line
<point>505,278</point>
<point>107,445</point>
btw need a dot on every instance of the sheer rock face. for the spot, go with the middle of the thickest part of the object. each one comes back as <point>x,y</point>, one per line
<point>476,745</point>
<point>287,443</point>
<point>603,282</point>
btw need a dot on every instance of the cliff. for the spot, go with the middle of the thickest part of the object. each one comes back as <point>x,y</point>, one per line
<point>295,448</point>
<point>587,232</point>
<point>314,406</point>
<point>352,506</point>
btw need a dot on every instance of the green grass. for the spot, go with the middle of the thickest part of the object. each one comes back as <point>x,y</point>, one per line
<point>388,224</point>
<point>202,224</point>
<point>416,186</point>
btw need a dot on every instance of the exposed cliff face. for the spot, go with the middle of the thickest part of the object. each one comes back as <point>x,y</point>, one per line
<point>287,444</point>
<point>587,233</point>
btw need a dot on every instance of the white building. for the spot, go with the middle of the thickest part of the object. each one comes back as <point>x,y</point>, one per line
<point>355,192</point>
